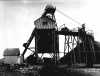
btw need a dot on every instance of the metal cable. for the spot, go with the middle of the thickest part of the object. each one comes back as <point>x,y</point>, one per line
<point>68,17</point>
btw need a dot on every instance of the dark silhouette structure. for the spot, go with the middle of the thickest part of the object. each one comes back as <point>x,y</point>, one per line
<point>79,46</point>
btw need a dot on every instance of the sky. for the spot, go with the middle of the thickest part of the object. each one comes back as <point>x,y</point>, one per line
<point>17,19</point>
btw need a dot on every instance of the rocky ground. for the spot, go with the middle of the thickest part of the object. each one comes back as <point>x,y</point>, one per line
<point>53,71</point>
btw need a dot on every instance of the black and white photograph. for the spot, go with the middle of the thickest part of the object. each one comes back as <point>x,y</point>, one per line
<point>49,38</point>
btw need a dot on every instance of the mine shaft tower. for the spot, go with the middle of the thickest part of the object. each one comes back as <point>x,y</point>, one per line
<point>46,35</point>
<point>46,38</point>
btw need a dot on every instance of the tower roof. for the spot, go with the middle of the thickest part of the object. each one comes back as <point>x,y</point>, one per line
<point>44,23</point>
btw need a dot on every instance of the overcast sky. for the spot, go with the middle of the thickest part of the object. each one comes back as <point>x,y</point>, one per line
<point>17,18</point>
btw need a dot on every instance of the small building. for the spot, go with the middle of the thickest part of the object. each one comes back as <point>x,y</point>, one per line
<point>11,55</point>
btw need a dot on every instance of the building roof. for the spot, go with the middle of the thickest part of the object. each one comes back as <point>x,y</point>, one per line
<point>11,52</point>
<point>44,23</point>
